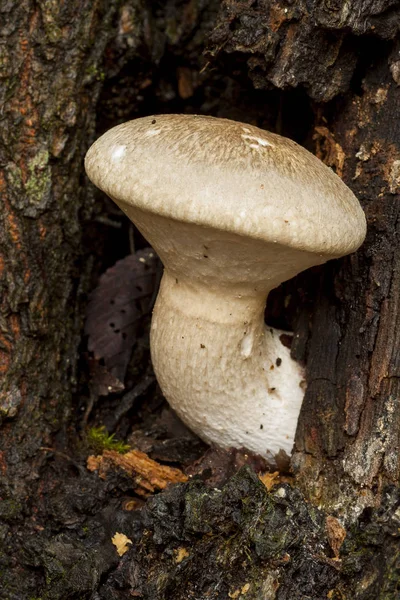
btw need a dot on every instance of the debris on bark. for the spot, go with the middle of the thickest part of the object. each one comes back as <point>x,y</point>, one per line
<point>336,534</point>
<point>244,542</point>
<point>121,543</point>
<point>270,480</point>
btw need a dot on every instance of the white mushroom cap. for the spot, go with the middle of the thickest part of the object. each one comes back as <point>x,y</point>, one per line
<point>232,211</point>
<point>228,175</point>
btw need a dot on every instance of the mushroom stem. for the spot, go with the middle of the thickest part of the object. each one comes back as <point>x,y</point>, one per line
<point>226,374</point>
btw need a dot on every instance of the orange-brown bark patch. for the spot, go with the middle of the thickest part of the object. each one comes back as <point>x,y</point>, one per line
<point>42,229</point>
<point>15,326</point>
<point>277,16</point>
<point>3,464</point>
<point>14,230</point>
<point>328,150</point>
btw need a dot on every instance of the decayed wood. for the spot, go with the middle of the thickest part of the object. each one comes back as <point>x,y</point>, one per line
<point>148,475</point>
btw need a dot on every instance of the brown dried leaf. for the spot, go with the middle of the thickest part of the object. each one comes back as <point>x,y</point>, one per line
<point>103,382</point>
<point>148,474</point>
<point>116,306</point>
<point>217,465</point>
<point>336,534</point>
<point>269,479</point>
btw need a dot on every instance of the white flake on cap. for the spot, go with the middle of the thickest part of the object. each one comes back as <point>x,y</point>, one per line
<point>118,153</point>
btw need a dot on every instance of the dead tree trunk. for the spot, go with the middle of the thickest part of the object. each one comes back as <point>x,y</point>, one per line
<point>324,73</point>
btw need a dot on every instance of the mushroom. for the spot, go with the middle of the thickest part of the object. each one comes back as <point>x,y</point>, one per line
<point>232,211</point>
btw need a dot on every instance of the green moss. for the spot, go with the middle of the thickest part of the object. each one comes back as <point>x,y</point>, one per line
<point>391,580</point>
<point>37,186</point>
<point>50,14</point>
<point>99,440</point>
<point>38,183</point>
<point>10,510</point>
<point>94,73</point>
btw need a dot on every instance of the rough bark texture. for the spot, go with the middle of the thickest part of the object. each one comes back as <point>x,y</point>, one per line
<point>324,73</point>
<point>350,426</point>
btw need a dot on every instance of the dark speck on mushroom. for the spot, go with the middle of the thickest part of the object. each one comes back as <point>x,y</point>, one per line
<point>261,426</point>
<point>153,122</point>
<point>278,362</point>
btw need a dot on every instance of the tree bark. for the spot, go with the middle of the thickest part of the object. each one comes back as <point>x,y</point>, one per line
<point>50,82</point>
<point>349,429</point>
<point>324,73</point>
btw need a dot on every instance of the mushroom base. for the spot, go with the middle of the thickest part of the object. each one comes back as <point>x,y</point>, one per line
<point>227,375</point>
